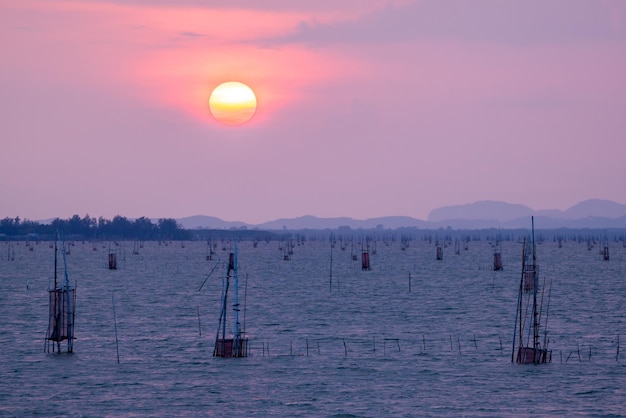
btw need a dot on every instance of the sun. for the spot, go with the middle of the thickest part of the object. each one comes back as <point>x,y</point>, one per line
<point>232,103</point>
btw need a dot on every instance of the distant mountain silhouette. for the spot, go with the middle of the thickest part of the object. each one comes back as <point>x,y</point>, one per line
<point>313,222</point>
<point>592,214</point>
<point>482,210</point>
<point>208,222</point>
<point>506,214</point>
<point>595,208</point>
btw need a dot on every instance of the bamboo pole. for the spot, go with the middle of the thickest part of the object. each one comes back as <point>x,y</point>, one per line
<point>117,349</point>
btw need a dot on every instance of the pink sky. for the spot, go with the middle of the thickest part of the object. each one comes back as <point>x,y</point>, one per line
<point>366,108</point>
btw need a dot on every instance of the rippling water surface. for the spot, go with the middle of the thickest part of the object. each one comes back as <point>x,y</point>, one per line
<point>362,346</point>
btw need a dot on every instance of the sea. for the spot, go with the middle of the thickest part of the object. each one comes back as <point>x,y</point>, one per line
<point>412,336</point>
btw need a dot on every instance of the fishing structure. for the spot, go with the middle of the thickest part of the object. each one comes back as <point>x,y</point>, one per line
<point>237,344</point>
<point>439,252</point>
<point>530,350</point>
<point>497,257</point>
<point>112,259</point>
<point>365,256</point>
<point>61,310</point>
<point>605,250</point>
<point>11,252</point>
<point>210,252</point>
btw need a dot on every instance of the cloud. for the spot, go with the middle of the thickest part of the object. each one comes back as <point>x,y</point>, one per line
<point>277,6</point>
<point>497,21</point>
<point>193,35</point>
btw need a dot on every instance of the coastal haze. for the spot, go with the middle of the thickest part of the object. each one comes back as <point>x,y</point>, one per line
<point>589,214</point>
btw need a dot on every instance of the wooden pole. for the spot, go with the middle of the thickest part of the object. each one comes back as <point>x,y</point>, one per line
<point>330,276</point>
<point>199,327</point>
<point>117,349</point>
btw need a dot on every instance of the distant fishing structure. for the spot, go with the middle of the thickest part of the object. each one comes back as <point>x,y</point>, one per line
<point>330,275</point>
<point>497,256</point>
<point>288,250</point>
<point>530,351</point>
<point>365,256</point>
<point>62,300</point>
<point>10,252</point>
<point>439,252</point>
<point>237,344</point>
<point>605,250</point>
<point>112,259</point>
<point>210,252</point>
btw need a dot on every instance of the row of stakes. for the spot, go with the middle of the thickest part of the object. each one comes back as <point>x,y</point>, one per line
<point>395,346</point>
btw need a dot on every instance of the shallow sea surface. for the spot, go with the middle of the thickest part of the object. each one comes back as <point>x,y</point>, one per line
<point>362,345</point>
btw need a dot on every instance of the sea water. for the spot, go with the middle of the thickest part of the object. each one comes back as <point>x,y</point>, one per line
<point>413,336</point>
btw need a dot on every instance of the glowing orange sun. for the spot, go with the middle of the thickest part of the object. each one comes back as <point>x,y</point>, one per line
<point>232,103</point>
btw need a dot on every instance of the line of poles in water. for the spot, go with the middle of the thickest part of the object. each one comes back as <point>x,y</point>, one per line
<point>386,346</point>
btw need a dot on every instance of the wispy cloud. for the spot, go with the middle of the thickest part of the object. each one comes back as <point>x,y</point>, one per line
<point>509,22</point>
<point>193,35</point>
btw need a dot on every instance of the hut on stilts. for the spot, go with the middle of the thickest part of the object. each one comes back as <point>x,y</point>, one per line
<point>237,344</point>
<point>528,315</point>
<point>365,256</point>
<point>497,256</point>
<point>62,299</point>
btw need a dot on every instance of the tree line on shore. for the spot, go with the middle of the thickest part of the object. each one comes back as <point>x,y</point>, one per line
<point>88,227</point>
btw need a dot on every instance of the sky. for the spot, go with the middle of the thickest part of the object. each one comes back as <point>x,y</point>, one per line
<point>366,108</point>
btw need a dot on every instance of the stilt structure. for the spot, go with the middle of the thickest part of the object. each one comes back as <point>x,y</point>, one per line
<point>497,257</point>
<point>210,252</point>
<point>497,254</point>
<point>62,300</point>
<point>530,270</point>
<point>237,344</point>
<point>497,260</point>
<point>530,351</point>
<point>439,252</point>
<point>112,260</point>
<point>365,257</point>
